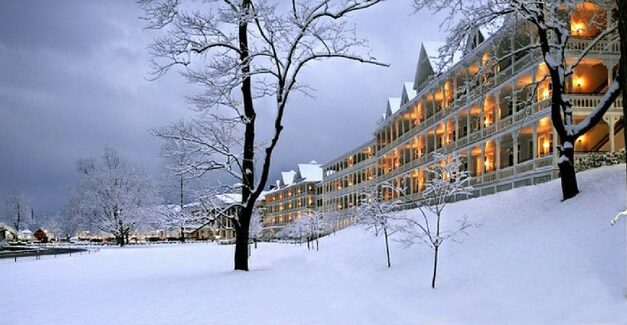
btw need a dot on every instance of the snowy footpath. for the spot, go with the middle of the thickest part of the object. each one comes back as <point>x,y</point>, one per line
<point>533,260</point>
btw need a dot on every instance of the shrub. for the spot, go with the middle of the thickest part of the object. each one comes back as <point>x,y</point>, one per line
<point>595,160</point>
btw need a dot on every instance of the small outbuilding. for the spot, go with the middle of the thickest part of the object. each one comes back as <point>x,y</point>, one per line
<point>41,235</point>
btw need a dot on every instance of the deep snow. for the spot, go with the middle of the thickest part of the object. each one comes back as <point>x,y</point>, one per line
<point>533,260</point>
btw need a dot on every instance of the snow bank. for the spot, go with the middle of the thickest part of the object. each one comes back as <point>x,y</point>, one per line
<point>533,260</point>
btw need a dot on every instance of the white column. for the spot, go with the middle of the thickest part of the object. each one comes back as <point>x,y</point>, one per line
<point>514,98</point>
<point>468,161</point>
<point>609,64</point>
<point>534,135</point>
<point>454,91</point>
<point>497,154</point>
<point>468,130</point>
<point>611,122</point>
<point>482,114</point>
<point>456,127</point>
<point>435,138</point>
<point>515,147</point>
<point>482,160</point>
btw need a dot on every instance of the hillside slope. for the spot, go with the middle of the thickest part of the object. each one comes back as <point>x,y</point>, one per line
<point>533,260</point>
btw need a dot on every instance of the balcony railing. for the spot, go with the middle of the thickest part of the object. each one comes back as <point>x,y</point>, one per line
<point>602,47</point>
<point>524,167</point>
<point>588,102</point>
<point>488,131</point>
<point>544,161</point>
<point>505,172</point>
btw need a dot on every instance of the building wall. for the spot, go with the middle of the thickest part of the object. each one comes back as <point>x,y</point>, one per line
<point>285,204</point>
<point>494,120</point>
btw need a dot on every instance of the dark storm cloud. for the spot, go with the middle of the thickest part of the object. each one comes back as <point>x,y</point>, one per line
<point>72,80</point>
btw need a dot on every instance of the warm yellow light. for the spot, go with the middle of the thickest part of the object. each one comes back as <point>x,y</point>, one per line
<point>546,146</point>
<point>487,121</point>
<point>579,82</point>
<point>485,58</point>
<point>545,93</point>
<point>577,27</point>
<point>488,164</point>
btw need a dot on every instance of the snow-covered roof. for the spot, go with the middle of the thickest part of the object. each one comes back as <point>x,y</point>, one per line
<point>311,172</point>
<point>287,178</point>
<point>425,67</point>
<point>429,63</point>
<point>262,196</point>
<point>432,50</point>
<point>230,198</point>
<point>408,92</point>
<point>394,104</point>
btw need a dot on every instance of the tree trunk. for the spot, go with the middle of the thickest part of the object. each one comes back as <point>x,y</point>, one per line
<point>567,173</point>
<point>18,221</point>
<point>622,31</point>
<point>435,266</point>
<point>387,246</point>
<point>241,240</point>
<point>317,243</point>
<point>181,204</point>
<point>248,168</point>
<point>255,243</point>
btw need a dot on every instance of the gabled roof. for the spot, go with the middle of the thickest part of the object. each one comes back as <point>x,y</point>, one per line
<point>287,178</point>
<point>311,172</point>
<point>429,51</point>
<point>408,92</point>
<point>430,63</point>
<point>394,104</point>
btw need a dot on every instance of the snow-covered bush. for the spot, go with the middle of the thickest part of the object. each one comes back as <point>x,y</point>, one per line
<point>595,160</point>
<point>376,214</point>
<point>447,179</point>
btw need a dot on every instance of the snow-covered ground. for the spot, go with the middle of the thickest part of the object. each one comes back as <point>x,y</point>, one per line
<point>533,260</point>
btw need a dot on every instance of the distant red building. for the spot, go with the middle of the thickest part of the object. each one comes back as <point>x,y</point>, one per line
<point>41,235</point>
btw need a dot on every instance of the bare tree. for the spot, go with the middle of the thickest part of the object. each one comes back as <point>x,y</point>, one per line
<point>18,210</point>
<point>446,182</point>
<point>377,215</point>
<point>550,19</point>
<point>256,226</point>
<point>241,52</point>
<point>308,227</point>
<point>179,157</point>
<point>113,195</point>
<point>174,217</point>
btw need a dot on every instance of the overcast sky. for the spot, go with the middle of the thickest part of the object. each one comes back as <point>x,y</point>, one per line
<point>73,79</point>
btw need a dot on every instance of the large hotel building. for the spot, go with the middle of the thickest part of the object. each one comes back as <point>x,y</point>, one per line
<point>491,114</point>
